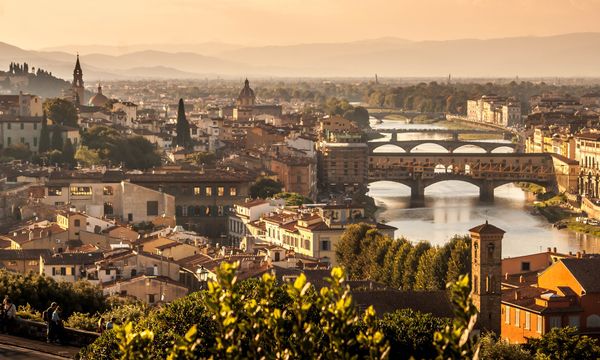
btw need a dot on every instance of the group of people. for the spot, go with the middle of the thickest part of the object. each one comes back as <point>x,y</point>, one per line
<point>54,324</point>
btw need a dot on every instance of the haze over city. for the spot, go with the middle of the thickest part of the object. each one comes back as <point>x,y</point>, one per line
<point>300,179</point>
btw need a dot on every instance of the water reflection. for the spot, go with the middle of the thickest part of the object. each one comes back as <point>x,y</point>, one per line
<point>453,207</point>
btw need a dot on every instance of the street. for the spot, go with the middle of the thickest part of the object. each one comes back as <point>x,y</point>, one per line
<point>16,353</point>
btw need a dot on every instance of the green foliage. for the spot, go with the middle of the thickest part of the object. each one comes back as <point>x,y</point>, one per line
<point>17,151</point>
<point>44,144</point>
<point>39,291</point>
<point>205,158</point>
<point>29,313</point>
<point>56,143</point>
<point>359,115</point>
<point>410,333</point>
<point>492,348</point>
<point>293,199</point>
<point>366,254</point>
<point>68,153</point>
<point>61,112</point>
<point>135,152</point>
<point>564,343</point>
<point>54,157</point>
<point>265,188</point>
<point>87,157</point>
<point>82,321</point>
<point>455,340</point>
<point>322,325</point>
<point>183,127</point>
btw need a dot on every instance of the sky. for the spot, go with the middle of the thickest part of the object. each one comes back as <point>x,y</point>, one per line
<point>37,24</point>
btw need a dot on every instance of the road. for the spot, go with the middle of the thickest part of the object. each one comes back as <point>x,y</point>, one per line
<point>17,353</point>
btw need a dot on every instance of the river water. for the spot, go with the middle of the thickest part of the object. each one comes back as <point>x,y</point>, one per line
<point>453,207</point>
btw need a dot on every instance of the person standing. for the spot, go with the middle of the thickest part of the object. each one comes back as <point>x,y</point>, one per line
<point>58,324</point>
<point>10,314</point>
<point>47,317</point>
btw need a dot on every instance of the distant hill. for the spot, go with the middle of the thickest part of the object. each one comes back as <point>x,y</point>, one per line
<point>570,55</point>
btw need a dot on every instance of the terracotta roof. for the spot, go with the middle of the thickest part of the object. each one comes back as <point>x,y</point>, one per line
<point>486,229</point>
<point>72,258</point>
<point>23,254</point>
<point>586,272</point>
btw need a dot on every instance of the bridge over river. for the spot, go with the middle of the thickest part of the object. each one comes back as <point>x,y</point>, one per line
<point>453,133</point>
<point>450,145</point>
<point>485,170</point>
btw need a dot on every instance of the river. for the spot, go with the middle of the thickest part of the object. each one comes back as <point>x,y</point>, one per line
<point>453,207</point>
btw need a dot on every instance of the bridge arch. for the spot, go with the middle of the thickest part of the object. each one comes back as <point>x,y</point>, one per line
<point>388,147</point>
<point>471,149</point>
<point>439,148</point>
<point>503,149</point>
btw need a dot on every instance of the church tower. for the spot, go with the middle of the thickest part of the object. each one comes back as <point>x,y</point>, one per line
<point>77,86</point>
<point>486,275</point>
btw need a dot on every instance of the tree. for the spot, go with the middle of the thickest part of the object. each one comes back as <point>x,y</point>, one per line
<point>411,263</point>
<point>293,199</point>
<point>460,260</point>
<point>17,151</point>
<point>493,348</point>
<point>350,251</point>
<point>564,343</point>
<point>359,115</point>
<point>44,144</point>
<point>57,139</point>
<point>398,265</point>
<point>61,112</point>
<point>68,152</point>
<point>265,188</point>
<point>183,127</point>
<point>87,157</point>
<point>425,278</point>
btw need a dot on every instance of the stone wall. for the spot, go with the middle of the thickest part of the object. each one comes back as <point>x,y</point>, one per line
<point>37,330</point>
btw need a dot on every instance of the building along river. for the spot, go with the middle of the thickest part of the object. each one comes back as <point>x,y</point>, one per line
<point>453,207</point>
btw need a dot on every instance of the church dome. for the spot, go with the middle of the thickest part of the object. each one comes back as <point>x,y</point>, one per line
<point>246,96</point>
<point>98,99</point>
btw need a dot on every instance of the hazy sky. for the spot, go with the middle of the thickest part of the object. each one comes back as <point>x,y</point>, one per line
<point>36,24</point>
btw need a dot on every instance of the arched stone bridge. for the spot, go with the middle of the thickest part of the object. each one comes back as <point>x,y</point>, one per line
<point>454,133</point>
<point>450,145</point>
<point>407,114</point>
<point>487,171</point>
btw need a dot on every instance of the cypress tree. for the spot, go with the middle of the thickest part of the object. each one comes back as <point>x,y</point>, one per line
<point>44,143</point>
<point>183,127</point>
<point>57,140</point>
<point>68,152</point>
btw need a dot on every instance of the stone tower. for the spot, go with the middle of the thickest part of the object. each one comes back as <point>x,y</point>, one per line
<point>77,86</point>
<point>486,269</point>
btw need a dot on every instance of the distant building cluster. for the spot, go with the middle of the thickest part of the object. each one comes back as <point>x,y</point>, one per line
<point>493,109</point>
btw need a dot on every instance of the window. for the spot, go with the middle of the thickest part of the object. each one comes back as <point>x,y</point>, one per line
<point>22,126</point>
<point>108,190</point>
<point>32,263</point>
<point>34,141</point>
<point>325,245</point>
<point>8,126</point>
<point>77,223</point>
<point>574,321</point>
<point>81,190</point>
<point>54,191</point>
<point>525,266</point>
<point>108,208</point>
<point>527,321</point>
<point>517,317</point>
<point>208,191</point>
<point>130,217</point>
<point>220,191</point>
<point>197,190</point>
<point>151,298</point>
<point>506,314</point>
<point>232,191</point>
<point>555,322</point>
<point>22,140</point>
<point>307,244</point>
<point>34,126</point>
<point>152,208</point>
<point>63,271</point>
<point>539,323</point>
<point>8,139</point>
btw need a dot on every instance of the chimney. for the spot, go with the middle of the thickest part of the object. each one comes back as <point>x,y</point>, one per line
<point>155,270</point>
<point>517,294</point>
<point>31,235</point>
<point>570,253</point>
<point>521,279</point>
<point>583,252</point>
<point>554,249</point>
<point>549,249</point>
<point>579,254</point>
<point>506,276</point>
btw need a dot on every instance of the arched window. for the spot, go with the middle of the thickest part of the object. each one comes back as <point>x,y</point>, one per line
<point>593,321</point>
<point>190,211</point>
<point>197,211</point>
<point>178,210</point>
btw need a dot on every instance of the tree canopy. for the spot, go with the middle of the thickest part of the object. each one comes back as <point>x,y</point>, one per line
<point>265,188</point>
<point>61,111</point>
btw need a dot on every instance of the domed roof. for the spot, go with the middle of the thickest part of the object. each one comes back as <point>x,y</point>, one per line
<point>98,99</point>
<point>247,92</point>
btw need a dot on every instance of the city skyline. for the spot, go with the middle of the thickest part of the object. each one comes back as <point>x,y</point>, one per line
<point>251,23</point>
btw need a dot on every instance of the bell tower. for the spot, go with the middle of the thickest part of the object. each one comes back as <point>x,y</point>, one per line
<point>77,85</point>
<point>486,274</point>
